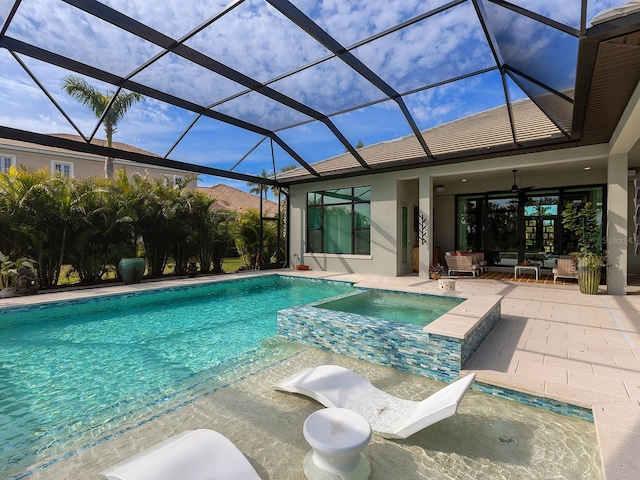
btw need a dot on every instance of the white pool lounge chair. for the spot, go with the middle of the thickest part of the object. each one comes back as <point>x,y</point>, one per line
<point>192,455</point>
<point>389,416</point>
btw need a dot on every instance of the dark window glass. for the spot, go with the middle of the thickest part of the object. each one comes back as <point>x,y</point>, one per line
<point>339,221</point>
<point>510,228</point>
<point>341,195</point>
<point>315,218</point>
<point>314,241</point>
<point>470,227</point>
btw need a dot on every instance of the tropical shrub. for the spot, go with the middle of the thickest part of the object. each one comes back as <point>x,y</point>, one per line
<point>91,224</point>
<point>34,211</point>
<point>246,231</point>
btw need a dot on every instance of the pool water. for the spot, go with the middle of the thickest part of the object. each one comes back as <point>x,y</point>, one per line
<point>394,306</point>
<point>70,372</point>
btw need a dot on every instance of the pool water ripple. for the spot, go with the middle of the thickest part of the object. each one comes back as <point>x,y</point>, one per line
<point>71,373</point>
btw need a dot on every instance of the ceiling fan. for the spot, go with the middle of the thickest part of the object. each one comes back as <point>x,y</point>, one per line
<point>514,188</point>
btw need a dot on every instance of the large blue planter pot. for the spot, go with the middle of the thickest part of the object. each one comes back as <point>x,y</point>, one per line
<point>132,269</point>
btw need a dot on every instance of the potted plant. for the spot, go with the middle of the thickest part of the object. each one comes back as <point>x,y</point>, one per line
<point>583,222</point>
<point>9,272</point>
<point>132,270</point>
<point>299,264</point>
<point>436,270</point>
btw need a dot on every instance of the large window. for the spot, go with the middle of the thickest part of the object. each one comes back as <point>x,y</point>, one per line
<point>339,221</point>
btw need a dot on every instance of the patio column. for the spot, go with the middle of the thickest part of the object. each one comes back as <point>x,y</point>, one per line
<point>616,229</point>
<point>425,216</point>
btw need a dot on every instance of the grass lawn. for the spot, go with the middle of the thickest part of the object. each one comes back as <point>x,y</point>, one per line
<point>70,277</point>
<point>231,265</point>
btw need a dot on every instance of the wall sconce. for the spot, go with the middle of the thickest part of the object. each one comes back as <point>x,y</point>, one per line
<point>439,188</point>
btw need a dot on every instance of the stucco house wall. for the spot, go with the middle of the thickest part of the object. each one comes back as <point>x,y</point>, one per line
<point>389,191</point>
<point>83,165</point>
<point>384,226</point>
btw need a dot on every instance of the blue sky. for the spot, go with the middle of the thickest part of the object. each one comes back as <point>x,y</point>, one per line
<point>258,41</point>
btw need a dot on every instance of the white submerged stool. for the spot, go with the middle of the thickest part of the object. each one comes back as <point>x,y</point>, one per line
<point>337,436</point>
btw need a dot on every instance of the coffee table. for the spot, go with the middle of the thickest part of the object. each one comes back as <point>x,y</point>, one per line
<point>518,269</point>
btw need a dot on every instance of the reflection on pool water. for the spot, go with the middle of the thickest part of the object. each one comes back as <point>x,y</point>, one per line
<point>394,306</point>
<point>71,371</point>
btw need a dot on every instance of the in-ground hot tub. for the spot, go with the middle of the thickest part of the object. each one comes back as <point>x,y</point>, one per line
<point>437,350</point>
<point>410,308</point>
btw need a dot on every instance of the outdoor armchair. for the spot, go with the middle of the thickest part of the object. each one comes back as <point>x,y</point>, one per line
<point>461,264</point>
<point>566,269</point>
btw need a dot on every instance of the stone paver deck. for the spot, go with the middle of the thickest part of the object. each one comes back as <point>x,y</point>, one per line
<point>552,342</point>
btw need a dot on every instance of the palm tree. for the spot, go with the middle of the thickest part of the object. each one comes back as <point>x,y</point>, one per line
<point>98,102</point>
<point>260,189</point>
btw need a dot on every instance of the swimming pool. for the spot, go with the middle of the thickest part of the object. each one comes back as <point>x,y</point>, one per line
<point>70,372</point>
<point>393,306</point>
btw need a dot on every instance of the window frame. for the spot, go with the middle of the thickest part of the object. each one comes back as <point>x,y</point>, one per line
<point>357,230</point>
<point>596,193</point>
<point>61,172</point>
<point>173,180</point>
<point>12,160</point>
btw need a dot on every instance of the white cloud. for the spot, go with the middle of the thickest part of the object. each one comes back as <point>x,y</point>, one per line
<point>258,41</point>
<point>351,21</point>
<point>567,12</point>
<point>68,31</point>
<point>174,18</point>
<point>260,110</point>
<point>329,87</point>
<point>175,75</point>
<point>444,46</point>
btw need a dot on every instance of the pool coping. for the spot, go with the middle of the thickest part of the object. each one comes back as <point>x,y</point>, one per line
<point>462,319</point>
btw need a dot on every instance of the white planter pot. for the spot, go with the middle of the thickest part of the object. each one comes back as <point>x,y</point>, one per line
<point>447,284</point>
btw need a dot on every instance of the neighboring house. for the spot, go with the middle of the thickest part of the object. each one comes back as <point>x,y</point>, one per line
<point>234,200</point>
<point>78,165</point>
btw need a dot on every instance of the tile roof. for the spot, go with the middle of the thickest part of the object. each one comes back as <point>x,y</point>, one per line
<point>76,138</point>
<point>484,130</point>
<point>232,199</point>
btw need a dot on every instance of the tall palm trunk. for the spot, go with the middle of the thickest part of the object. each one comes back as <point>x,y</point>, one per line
<point>108,161</point>
<point>108,168</point>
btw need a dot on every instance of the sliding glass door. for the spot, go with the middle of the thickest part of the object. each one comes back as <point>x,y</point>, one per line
<point>526,225</point>
<point>542,224</point>
<point>502,229</point>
